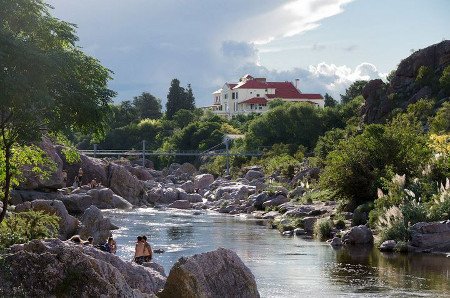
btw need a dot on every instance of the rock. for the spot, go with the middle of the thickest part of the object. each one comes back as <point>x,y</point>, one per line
<point>239,191</point>
<point>180,204</point>
<point>358,235</point>
<point>21,196</point>
<point>191,197</point>
<point>259,199</point>
<point>93,168</point>
<point>54,268</point>
<point>102,198</point>
<point>68,225</point>
<point>125,185</point>
<point>169,195</point>
<point>308,224</point>
<point>299,232</point>
<point>278,200</point>
<point>336,241</point>
<point>300,211</point>
<point>156,267</point>
<point>94,224</point>
<point>388,245</point>
<point>203,181</point>
<point>288,233</point>
<point>308,173</point>
<point>140,172</point>
<point>55,180</point>
<point>185,170</point>
<point>297,192</point>
<point>253,174</point>
<point>188,187</point>
<point>432,235</point>
<point>219,273</point>
<point>270,215</point>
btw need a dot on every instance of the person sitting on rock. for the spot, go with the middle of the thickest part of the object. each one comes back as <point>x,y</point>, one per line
<point>112,245</point>
<point>76,182</point>
<point>139,251</point>
<point>148,253</point>
<point>90,241</point>
<point>80,177</point>
<point>93,183</point>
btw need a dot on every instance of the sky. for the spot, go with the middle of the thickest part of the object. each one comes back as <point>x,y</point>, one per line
<point>327,44</point>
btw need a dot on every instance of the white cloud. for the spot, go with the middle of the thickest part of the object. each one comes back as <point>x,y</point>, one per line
<point>289,19</point>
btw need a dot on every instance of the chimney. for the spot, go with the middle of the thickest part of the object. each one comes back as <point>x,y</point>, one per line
<point>297,84</point>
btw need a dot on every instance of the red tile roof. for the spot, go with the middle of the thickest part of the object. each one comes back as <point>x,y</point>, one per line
<point>231,85</point>
<point>255,100</point>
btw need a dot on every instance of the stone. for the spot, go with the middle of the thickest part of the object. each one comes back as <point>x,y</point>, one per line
<point>270,215</point>
<point>53,268</point>
<point>299,232</point>
<point>21,196</point>
<point>358,235</point>
<point>259,199</point>
<point>188,187</point>
<point>278,200</point>
<point>93,168</point>
<point>288,233</point>
<point>185,170</point>
<point>219,273</point>
<point>432,235</point>
<point>94,224</point>
<point>253,174</point>
<point>124,184</point>
<point>180,204</point>
<point>308,224</point>
<point>300,211</point>
<point>203,181</point>
<point>68,225</point>
<point>297,192</point>
<point>308,174</point>
<point>169,195</point>
<point>191,197</point>
<point>140,172</point>
<point>336,241</point>
<point>388,245</point>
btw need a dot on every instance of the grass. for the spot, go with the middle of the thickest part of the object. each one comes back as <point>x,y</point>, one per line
<point>322,229</point>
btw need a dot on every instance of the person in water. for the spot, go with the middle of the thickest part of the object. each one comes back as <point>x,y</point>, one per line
<point>112,245</point>
<point>80,177</point>
<point>139,251</point>
<point>148,253</point>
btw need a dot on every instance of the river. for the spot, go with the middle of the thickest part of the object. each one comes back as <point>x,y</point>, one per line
<point>283,266</point>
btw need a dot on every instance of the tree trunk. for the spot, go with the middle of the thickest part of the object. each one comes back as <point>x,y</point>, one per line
<point>7,186</point>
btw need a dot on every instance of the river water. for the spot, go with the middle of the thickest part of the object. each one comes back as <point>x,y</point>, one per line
<point>283,266</point>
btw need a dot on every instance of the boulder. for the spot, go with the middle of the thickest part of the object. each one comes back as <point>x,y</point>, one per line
<point>154,195</point>
<point>169,195</point>
<point>358,235</point>
<point>278,200</point>
<point>203,181</point>
<point>53,268</point>
<point>308,224</point>
<point>336,242</point>
<point>124,184</point>
<point>299,232</point>
<point>259,199</point>
<point>21,196</point>
<point>102,198</point>
<point>300,211</point>
<point>219,273</point>
<point>68,225</point>
<point>180,204</point>
<point>297,192</point>
<point>93,168</point>
<point>188,187</point>
<point>432,235</point>
<point>388,245</point>
<point>252,175</point>
<point>191,197</point>
<point>308,174</point>
<point>185,171</point>
<point>94,224</point>
<point>270,215</point>
<point>140,172</point>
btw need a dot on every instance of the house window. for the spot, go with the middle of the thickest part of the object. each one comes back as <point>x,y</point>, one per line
<point>235,106</point>
<point>251,106</point>
<point>257,95</point>
<point>232,95</point>
<point>236,95</point>
<point>226,96</point>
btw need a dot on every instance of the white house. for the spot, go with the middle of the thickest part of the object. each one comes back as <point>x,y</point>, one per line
<point>251,95</point>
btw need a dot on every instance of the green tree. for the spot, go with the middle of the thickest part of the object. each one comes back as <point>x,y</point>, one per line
<point>440,124</point>
<point>147,106</point>
<point>47,82</point>
<point>354,90</point>
<point>178,98</point>
<point>444,80</point>
<point>329,101</point>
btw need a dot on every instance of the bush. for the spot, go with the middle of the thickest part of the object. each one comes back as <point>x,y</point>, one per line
<point>323,228</point>
<point>26,226</point>
<point>397,231</point>
<point>440,207</point>
<point>361,214</point>
<point>339,224</point>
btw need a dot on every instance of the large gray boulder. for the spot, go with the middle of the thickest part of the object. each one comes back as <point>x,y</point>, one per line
<point>68,225</point>
<point>358,235</point>
<point>124,184</point>
<point>53,268</point>
<point>103,198</point>
<point>278,200</point>
<point>93,224</point>
<point>431,235</point>
<point>252,175</point>
<point>219,273</point>
<point>203,181</point>
<point>180,204</point>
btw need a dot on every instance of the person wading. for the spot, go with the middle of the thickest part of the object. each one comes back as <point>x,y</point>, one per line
<point>139,251</point>
<point>148,253</point>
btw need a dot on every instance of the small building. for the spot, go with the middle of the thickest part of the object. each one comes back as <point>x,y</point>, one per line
<point>251,95</point>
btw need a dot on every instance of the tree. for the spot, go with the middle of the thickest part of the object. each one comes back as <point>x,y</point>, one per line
<point>147,106</point>
<point>354,90</point>
<point>179,98</point>
<point>47,82</point>
<point>329,101</point>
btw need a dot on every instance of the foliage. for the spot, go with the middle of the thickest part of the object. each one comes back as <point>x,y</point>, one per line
<point>69,151</point>
<point>147,106</point>
<point>440,205</point>
<point>444,80</point>
<point>323,229</point>
<point>26,226</point>
<point>354,90</point>
<point>183,117</point>
<point>178,98</point>
<point>424,76</point>
<point>330,101</point>
<point>275,103</point>
<point>361,214</point>
<point>441,121</point>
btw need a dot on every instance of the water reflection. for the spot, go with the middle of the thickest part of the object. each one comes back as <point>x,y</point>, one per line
<point>284,266</point>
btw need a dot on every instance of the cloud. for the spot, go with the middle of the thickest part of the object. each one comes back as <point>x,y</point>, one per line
<point>235,49</point>
<point>291,18</point>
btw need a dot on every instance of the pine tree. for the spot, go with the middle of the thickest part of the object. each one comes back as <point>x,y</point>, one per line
<point>179,98</point>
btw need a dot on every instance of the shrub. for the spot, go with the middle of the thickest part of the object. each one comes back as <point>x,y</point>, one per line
<point>361,214</point>
<point>397,231</point>
<point>26,226</point>
<point>323,228</point>
<point>440,207</point>
<point>339,224</point>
